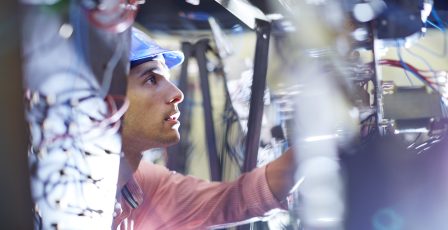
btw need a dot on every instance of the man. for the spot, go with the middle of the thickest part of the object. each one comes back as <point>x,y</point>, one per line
<point>155,198</point>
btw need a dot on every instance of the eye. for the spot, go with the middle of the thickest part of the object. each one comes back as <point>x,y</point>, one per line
<point>151,80</point>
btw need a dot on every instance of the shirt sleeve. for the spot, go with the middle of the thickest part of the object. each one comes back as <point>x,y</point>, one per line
<point>174,201</point>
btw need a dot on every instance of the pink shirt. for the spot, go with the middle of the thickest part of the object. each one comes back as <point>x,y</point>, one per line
<point>160,199</point>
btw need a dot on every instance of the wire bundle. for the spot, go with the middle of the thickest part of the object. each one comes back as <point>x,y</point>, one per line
<point>69,134</point>
<point>43,109</point>
<point>114,16</point>
<point>436,80</point>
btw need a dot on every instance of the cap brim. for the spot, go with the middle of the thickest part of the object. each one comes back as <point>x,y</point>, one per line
<point>143,48</point>
<point>173,58</point>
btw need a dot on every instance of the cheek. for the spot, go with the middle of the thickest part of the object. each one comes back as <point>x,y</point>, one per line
<point>133,110</point>
<point>137,105</point>
<point>138,97</point>
<point>144,107</point>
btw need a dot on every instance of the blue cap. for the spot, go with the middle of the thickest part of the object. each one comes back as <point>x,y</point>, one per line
<point>145,49</point>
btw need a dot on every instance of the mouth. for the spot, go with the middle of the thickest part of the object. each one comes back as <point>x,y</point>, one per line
<point>173,117</point>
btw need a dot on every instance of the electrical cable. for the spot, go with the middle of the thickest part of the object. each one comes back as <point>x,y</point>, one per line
<point>66,126</point>
<point>404,65</point>
<point>233,137</point>
<point>117,18</point>
<point>110,67</point>
<point>424,61</point>
<point>111,119</point>
<point>434,25</point>
<point>430,81</point>
<point>442,29</point>
<point>416,72</point>
<point>439,21</point>
<point>68,174</point>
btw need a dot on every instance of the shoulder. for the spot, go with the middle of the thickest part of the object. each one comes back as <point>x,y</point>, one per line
<point>146,166</point>
<point>150,171</point>
<point>149,174</point>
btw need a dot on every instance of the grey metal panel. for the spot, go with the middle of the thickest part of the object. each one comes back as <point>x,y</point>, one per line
<point>411,104</point>
<point>15,199</point>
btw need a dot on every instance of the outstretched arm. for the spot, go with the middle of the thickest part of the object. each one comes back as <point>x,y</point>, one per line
<point>174,201</point>
<point>280,174</point>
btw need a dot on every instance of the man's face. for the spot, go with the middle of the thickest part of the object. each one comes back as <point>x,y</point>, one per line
<point>152,118</point>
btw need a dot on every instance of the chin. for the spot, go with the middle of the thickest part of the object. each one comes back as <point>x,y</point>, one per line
<point>172,140</point>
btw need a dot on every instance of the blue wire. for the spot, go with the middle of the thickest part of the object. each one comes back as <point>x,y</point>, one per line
<point>437,86</point>
<point>442,29</point>
<point>439,21</point>
<point>406,67</point>
<point>424,61</point>
<point>435,26</point>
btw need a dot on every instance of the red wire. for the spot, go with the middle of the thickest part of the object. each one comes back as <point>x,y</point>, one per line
<point>112,119</point>
<point>126,14</point>
<point>397,63</point>
<point>428,80</point>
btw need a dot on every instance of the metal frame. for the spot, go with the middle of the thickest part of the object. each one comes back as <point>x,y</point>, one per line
<point>202,46</point>
<point>263,31</point>
<point>256,20</point>
<point>244,11</point>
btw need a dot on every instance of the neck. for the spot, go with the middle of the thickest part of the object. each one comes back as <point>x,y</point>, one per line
<point>132,154</point>
<point>129,162</point>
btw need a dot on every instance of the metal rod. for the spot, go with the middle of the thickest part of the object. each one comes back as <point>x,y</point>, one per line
<point>244,11</point>
<point>201,47</point>
<point>256,101</point>
<point>263,31</point>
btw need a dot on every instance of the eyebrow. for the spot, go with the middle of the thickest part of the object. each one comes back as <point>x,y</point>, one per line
<point>147,70</point>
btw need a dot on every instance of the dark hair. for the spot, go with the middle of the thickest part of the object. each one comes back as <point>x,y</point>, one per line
<point>140,61</point>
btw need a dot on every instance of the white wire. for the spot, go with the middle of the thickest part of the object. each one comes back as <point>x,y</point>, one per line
<point>110,67</point>
<point>404,65</point>
<point>424,61</point>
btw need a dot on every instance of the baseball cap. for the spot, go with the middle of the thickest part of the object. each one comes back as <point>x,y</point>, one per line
<point>144,49</point>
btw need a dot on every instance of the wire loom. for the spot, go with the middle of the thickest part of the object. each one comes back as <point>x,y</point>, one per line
<point>114,18</point>
<point>70,144</point>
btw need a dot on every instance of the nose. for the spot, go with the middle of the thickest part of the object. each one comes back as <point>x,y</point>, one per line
<point>177,95</point>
